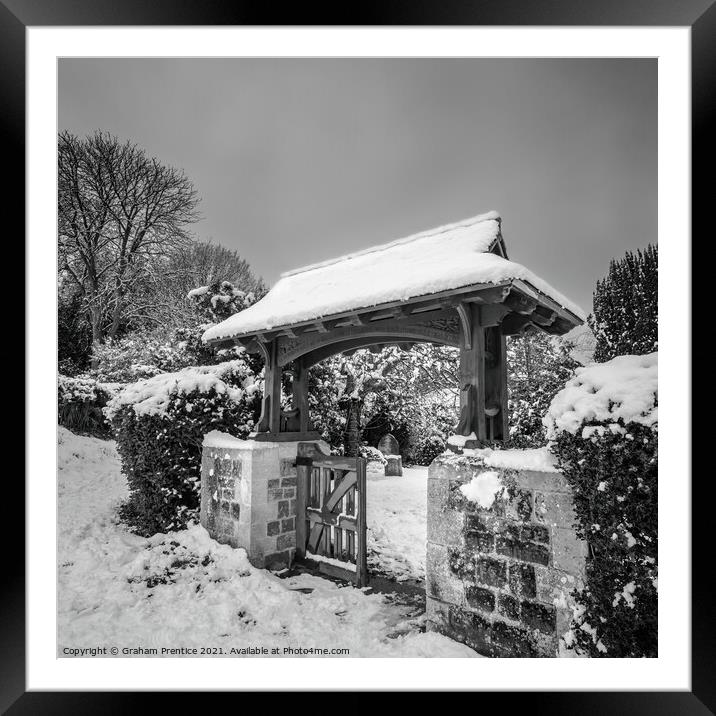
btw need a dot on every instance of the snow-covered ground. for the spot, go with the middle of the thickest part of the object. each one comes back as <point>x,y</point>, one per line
<point>182,589</point>
<point>397,523</point>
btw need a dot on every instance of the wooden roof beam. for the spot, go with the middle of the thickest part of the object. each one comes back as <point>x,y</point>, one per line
<point>519,303</point>
<point>543,317</point>
<point>514,324</point>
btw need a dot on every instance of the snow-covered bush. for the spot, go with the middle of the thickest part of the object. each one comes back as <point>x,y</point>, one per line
<point>80,402</point>
<point>604,428</point>
<point>160,424</point>
<point>220,299</point>
<point>372,454</point>
<point>144,354</point>
<point>428,449</point>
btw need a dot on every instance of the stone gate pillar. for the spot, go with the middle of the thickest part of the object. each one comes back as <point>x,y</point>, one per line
<point>248,496</point>
<point>499,572</point>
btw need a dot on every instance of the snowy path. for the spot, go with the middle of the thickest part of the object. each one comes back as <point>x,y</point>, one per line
<point>397,527</point>
<point>184,590</point>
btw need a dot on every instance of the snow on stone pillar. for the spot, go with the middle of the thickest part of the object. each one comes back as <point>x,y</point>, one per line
<point>248,497</point>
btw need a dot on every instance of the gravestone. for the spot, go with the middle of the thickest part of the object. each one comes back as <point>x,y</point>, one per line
<point>388,445</point>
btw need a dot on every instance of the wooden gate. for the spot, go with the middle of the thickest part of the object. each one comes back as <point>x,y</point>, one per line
<point>330,513</point>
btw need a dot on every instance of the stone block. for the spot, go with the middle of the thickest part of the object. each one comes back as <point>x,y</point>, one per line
<point>436,615</point>
<point>456,500</point>
<point>287,466</point>
<point>461,563</point>
<point>277,560</point>
<point>274,484</point>
<point>479,542</point>
<point>543,481</point>
<point>440,581</point>
<point>521,550</point>
<point>286,541</point>
<point>442,469</point>
<point>289,481</point>
<point>569,552</point>
<point>510,641</point>
<point>437,494</point>
<point>444,526</point>
<point>516,504</point>
<point>542,617</point>
<point>508,606</point>
<point>284,508</point>
<point>554,509</point>
<point>273,528</point>
<point>469,628</point>
<point>555,586</point>
<point>480,598</point>
<point>490,571</point>
<point>522,581</point>
<point>535,533</point>
<point>288,525</point>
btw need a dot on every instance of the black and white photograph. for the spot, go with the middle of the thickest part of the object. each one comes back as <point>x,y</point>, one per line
<point>357,357</point>
<point>353,349</point>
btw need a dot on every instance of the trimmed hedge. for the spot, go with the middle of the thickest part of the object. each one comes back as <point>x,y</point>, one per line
<point>612,469</point>
<point>160,444</point>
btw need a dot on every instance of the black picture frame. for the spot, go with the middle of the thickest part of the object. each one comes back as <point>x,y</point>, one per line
<point>699,15</point>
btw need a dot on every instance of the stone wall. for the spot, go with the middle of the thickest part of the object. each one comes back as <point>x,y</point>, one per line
<point>499,579</point>
<point>248,497</point>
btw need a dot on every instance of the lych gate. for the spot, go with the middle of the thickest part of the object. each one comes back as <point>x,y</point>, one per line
<point>452,286</point>
<point>343,305</point>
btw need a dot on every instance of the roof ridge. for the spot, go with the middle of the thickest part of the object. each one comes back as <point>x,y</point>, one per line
<point>464,223</point>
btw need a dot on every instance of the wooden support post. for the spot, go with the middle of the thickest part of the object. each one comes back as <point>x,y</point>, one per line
<point>362,552</point>
<point>496,384</point>
<point>472,379</point>
<point>271,404</point>
<point>275,390</point>
<point>304,465</point>
<point>300,394</point>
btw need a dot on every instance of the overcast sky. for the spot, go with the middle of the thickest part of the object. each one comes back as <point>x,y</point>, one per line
<point>301,160</point>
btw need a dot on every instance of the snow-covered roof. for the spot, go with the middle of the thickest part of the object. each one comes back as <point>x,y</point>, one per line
<point>448,257</point>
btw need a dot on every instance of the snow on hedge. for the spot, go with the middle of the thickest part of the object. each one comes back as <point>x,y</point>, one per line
<point>441,259</point>
<point>83,388</point>
<point>624,388</point>
<point>153,396</point>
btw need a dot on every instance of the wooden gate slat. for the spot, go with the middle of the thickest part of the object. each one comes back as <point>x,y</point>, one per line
<point>349,480</point>
<point>315,537</point>
<point>331,512</point>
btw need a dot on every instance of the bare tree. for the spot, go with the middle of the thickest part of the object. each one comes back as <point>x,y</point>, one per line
<point>162,297</point>
<point>120,211</point>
